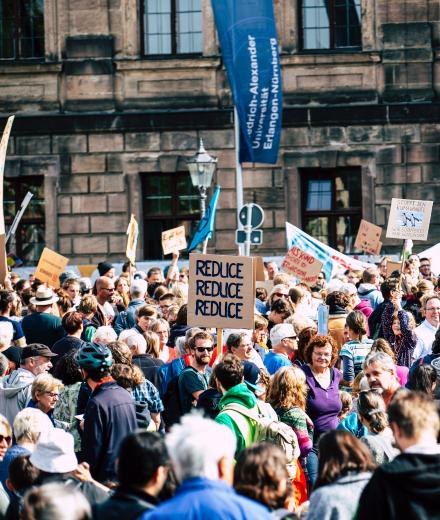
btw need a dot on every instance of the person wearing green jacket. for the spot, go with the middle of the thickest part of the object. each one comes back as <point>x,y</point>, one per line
<point>229,378</point>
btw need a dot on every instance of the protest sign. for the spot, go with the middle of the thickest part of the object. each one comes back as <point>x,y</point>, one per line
<point>259,269</point>
<point>302,265</point>
<point>50,266</point>
<point>392,266</point>
<point>409,219</point>
<point>173,240</point>
<point>87,270</point>
<point>221,291</point>
<point>368,238</point>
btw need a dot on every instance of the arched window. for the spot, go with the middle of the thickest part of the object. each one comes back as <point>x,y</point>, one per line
<point>330,24</point>
<point>172,27</point>
<point>21,29</point>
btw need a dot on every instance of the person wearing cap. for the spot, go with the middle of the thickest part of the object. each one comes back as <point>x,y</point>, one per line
<point>110,413</point>
<point>284,343</point>
<point>15,389</point>
<point>127,319</point>
<point>106,269</point>
<point>55,458</point>
<point>42,326</point>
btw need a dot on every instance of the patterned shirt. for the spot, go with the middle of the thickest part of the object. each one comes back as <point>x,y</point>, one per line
<point>353,354</point>
<point>148,393</point>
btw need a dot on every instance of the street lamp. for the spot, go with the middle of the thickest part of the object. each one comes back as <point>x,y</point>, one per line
<point>201,168</point>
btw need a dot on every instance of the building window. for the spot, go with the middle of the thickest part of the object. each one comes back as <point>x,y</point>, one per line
<point>21,29</point>
<point>331,24</point>
<point>332,205</point>
<point>169,201</point>
<point>172,27</point>
<point>29,240</point>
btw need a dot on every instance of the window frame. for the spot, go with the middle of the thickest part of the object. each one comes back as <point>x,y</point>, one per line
<point>18,18</point>
<point>307,174</point>
<point>332,29</point>
<point>174,37</point>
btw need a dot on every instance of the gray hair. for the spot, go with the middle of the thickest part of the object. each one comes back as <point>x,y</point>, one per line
<point>105,335</point>
<point>56,501</point>
<point>30,423</point>
<point>381,359</point>
<point>196,445</point>
<point>137,342</point>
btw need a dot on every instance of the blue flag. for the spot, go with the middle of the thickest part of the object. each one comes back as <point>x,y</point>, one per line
<point>206,226</point>
<point>249,45</point>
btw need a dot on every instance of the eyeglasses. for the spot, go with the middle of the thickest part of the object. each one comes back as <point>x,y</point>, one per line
<point>281,295</point>
<point>52,394</point>
<point>293,337</point>
<point>6,438</point>
<point>111,289</point>
<point>433,309</point>
<point>202,349</point>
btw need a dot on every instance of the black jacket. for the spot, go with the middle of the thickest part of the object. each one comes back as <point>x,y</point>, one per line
<point>64,345</point>
<point>407,488</point>
<point>124,504</point>
<point>150,367</point>
<point>109,417</point>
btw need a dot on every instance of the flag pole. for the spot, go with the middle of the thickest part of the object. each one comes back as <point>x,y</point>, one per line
<point>238,174</point>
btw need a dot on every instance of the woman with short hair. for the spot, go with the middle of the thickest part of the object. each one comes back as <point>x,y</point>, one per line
<point>45,393</point>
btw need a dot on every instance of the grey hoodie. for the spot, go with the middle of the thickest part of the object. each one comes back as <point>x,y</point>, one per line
<point>15,392</point>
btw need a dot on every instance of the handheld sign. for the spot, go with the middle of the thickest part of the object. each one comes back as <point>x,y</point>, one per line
<point>259,269</point>
<point>173,240</point>
<point>409,219</point>
<point>302,265</point>
<point>221,291</point>
<point>368,238</point>
<point>50,266</point>
<point>87,270</point>
<point>392,266</point>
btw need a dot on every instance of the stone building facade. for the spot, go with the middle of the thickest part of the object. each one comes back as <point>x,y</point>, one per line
<point>102,125</point>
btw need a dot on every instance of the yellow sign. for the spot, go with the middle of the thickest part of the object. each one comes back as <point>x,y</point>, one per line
<point>50,266</point>
<point>173,240</point>
<point>86,270</point>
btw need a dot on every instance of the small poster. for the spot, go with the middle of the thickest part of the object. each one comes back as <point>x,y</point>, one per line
<point>173,240</point>
<point>50,266</point>
<point>368,238</point>
<point>409,219</point>
<point>302,265</point>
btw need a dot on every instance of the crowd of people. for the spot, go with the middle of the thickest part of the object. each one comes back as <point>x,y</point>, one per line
<point>112,406</point>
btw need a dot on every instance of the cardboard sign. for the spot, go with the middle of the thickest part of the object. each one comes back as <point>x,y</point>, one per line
<point>50,266</point>
<point>368,237</point>
<point>173,240</point>
<point>392,266</point>
<point>86,270</point>
<point>221,291</point>
<point>259,269</point>
<point>302,265</point>
<point>409,219</point>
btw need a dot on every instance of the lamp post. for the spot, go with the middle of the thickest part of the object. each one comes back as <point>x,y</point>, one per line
<point>201,168</point>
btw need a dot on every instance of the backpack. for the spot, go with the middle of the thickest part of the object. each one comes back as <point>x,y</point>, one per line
<point>169,390</point>
<point>267,429</point>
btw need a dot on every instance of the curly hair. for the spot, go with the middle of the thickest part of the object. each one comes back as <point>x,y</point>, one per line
<point>319,342</point>
<point>67,369</point>
<point>304,337</point>
<point>288,389</point>
<point>337,299</point>
<point>259,472</point>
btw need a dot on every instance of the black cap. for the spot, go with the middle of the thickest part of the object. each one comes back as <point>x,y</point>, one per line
<point>13,354</point>
<point>251,373</point>
<point>104,267</point>
<point>36,349</point>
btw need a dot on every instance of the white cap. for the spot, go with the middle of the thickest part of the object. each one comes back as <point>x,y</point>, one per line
<point>348,289</point>
<point>281,331</point>
<point>139,286</point>
<point>55,453</point>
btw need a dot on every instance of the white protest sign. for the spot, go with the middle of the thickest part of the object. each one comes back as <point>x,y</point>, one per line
<point>409,219</point>
<point>302,265</point>
<point>173,240</point>
<point>368,238</point>
<point>221,291</point>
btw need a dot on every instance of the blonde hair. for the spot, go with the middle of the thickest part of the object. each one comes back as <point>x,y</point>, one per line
<point>152,340</point>
<point>288,388</point>
<point>5,423</point>
<point>45,383</point>
<point>88,304</point>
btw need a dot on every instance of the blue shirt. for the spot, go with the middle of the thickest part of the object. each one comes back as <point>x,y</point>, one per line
<point>274,362</point>
<point>200,498</point>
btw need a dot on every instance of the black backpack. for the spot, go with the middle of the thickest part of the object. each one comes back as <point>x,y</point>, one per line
<point>171,402</point>
<point>375,321</point>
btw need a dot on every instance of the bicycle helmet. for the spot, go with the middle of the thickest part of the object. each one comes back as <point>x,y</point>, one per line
<point>94,356</point>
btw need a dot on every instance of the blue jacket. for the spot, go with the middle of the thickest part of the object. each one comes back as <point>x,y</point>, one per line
<point>199,498</point>
<point>109,417</point>
<point>126,319</point>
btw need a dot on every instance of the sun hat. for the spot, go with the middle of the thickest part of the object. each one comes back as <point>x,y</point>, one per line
<point>280,332</point>
<point>44,296</point>
<point>54,453</point>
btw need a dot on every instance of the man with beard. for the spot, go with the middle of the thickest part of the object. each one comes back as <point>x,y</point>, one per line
<point>193,380</point>
<point>380,372</point>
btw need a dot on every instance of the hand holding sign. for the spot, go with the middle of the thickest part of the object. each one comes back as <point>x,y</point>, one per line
<point>302,265</point>
<point>173,240</point>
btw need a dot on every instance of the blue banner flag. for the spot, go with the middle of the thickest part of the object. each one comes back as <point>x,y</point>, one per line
<point>332,260</point>
<point>249,45</point>
<point>206,226</point>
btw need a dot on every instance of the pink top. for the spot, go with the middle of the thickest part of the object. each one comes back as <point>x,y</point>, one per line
<point>402,374</point>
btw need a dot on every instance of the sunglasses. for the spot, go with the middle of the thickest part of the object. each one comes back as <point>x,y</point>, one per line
<point>8,439</point>
<point>202,349</point>
<point>281,295</point>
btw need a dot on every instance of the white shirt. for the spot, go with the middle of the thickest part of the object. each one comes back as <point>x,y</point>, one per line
<point>425,333</point>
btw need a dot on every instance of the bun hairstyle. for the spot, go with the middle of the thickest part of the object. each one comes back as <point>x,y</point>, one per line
<point>357,322</point>
<point>371,408</point>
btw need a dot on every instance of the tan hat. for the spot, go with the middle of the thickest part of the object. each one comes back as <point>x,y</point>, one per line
<point>44,296</point>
